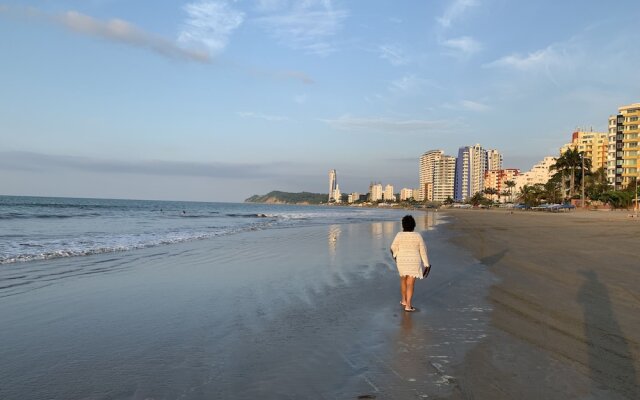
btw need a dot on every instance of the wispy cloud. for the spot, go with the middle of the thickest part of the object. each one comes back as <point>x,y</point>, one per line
<point>394,54</point>
<point>474,106</point>
<point>116,30</point>
<point>455,10</point>
<point>125,32</point>
<point>308,25</point>
<point>209,25</point>
<point>35,162</point>
<point>464,45</point>
<point>266,117</point>
<point>387,125</point>
<point>541,58</point>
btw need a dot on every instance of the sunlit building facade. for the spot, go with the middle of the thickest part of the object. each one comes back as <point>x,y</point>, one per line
<point>333,184</point>
<point>539,173</point>
<point>437,176</point>
<point>623,153</point>
<point>594,145</point>
<point>388,194</point>
<point>406,194</point>
<point>497,178</point>
<point>470,168</point>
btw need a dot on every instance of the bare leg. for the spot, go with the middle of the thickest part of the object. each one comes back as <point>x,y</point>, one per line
<point>403,289</point>
<point>409,291</point>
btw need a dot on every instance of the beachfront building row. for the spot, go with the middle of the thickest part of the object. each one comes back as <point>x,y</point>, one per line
<point>442,176</point>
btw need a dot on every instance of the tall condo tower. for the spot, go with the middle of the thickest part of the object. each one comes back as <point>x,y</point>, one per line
<point>333,184</point>
<point>470,168</point>
<point>624,141</point>
<point>494,160</point>
<point>437,176</point>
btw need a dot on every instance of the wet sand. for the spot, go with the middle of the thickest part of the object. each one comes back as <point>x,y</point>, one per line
<point>566,311</point>
<point>296,313</point>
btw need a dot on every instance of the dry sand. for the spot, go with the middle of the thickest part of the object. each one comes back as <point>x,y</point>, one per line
<point>566,312</point>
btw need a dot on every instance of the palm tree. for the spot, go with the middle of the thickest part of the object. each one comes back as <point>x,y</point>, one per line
<point>530,194</point>
<point>570,161</point>
<point>510,185</point>
<point>476,199</point>
<point>491,192</point>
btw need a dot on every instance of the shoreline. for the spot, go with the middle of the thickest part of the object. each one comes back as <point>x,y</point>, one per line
<point>564,310</point>
<point>304,312</point>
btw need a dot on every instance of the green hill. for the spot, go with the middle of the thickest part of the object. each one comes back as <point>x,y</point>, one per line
<point>277,197</point>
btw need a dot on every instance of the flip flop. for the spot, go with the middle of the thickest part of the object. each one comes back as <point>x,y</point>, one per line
<point>402,304</point>
<point>412,309</point>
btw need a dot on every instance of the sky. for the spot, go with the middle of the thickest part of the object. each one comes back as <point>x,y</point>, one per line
<point>217,100</point>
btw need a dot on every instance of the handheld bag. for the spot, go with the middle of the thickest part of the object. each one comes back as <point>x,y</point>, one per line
<point>425,271</point>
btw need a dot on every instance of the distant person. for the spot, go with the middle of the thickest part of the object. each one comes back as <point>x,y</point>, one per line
<point>410,253</point>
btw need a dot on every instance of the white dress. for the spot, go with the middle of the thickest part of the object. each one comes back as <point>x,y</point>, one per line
<point>410,253</point>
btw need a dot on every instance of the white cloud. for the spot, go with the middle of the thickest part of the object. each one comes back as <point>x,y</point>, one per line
<point>266,117</point>
<point>300,98</point>
<point>455,10</point>
<point>125,32</point>
<point>386,125</point>
<point>394,54</point>
<point>465,45</point>
<point>474,106</point>
<point>304,25</point>
<point>209,25</point>
<point>407,84</point>
<point>116,30</point>
<point>540,58</point>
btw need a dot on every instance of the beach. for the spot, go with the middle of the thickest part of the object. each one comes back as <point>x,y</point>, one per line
<point>565,321</point>
<point>510,310</point>
<point>299,312</point>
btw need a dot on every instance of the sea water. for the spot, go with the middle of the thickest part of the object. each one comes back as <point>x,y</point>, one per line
<point>39,228</point>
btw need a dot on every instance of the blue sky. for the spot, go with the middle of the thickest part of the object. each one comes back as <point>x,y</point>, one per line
<point>218,100</point>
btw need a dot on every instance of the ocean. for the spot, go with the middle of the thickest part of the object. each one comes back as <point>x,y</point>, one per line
<point>41,228</point>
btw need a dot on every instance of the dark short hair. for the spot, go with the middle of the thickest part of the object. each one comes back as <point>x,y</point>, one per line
<point>408,223</point>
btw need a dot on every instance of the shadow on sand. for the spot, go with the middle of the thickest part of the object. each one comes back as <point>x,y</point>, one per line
<point>611,364</point>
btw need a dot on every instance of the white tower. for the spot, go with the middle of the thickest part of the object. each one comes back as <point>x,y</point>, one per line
<point>333,184</point>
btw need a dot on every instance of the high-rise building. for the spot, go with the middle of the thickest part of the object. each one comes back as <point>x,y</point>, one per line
<point>594,145</point>
<point>494,160</point>
<point>437,176</point>
<point>406,194</point>
<point>388,194</point>
<point>333,184</point>
<point>624,146</point>
<point>470,167</point>
<point>375,192</point>
<point>337,194</point>
<point>539,173</point>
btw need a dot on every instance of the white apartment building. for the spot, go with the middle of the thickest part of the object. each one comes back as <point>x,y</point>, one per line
<point>388,194</point>
<point>470,168</point>
<point>333,182</point>
<point>540,173</point>
<point>406,194</point>
<point>437,176</point>
<point>337,195</point>
<point>353,197</point>
<point>375,192</point>
<point>494,160</point>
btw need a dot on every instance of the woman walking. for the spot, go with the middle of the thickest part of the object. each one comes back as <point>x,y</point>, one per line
<point>410,253</point>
